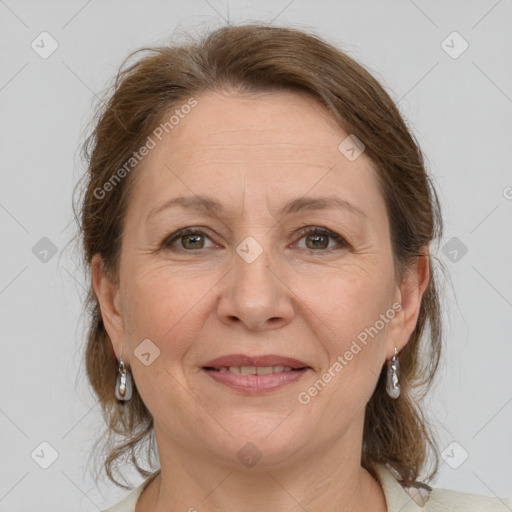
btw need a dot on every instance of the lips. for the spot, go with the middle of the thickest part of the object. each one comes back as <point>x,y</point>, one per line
<point>242,360</point>
<point>255,375</point>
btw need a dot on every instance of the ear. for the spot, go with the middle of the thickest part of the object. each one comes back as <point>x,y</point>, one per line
<point>409,294</point>
<point>108,295</point>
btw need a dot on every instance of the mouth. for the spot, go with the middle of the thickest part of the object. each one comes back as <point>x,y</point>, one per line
<point>253,370</point>
<point>255,375</point>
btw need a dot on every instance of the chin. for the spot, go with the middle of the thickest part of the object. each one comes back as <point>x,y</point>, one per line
<point>259,441</point>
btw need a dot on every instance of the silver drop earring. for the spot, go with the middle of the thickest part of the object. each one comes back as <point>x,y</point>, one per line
<point>393,376</point>
<point>123,390</point>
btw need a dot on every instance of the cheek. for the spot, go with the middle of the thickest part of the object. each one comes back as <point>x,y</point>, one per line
<point>346,322</point>
<point>347,301</point>
<point>167,308</point>
<point>163,305</point>
<point>352,334</point>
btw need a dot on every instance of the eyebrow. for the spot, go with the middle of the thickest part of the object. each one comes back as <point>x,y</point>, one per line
<point>211,205</point>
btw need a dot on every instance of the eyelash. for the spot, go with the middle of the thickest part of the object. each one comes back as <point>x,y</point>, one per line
<point>315,230</point>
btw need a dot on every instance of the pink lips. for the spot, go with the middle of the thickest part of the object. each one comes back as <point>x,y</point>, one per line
<point>255,384</point>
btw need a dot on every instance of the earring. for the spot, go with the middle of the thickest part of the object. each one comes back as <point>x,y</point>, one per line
<point>124,386</point>
<point>392,377</point>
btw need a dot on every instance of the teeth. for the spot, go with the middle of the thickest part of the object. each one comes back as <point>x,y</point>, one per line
<point>246,370</point>
<point>255,370</point>
<point>264,370</point>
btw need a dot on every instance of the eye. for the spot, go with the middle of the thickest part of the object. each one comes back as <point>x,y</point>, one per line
<point>189,239</point>
<point>317,238</point>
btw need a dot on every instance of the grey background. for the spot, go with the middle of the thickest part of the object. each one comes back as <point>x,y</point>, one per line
<point>459,108</point>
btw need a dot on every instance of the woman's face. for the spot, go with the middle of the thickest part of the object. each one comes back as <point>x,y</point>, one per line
<point>252,177</point>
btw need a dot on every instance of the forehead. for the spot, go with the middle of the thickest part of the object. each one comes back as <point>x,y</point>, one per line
<point>270,119</point>
<point>267,143</point>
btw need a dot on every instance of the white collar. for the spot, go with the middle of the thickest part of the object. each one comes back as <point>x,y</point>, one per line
<point>398,497</point>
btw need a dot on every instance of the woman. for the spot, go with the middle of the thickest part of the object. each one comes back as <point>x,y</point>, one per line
<point>258,224</point>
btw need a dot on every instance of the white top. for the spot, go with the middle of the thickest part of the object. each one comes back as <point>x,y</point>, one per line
<point>398,498</point>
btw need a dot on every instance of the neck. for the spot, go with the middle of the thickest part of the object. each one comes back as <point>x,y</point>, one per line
<point>190,482</point>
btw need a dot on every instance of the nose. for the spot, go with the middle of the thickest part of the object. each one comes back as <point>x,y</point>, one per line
<point>256,294</point>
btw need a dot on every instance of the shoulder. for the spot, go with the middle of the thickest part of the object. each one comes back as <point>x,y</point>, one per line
<point>129,502</point>
<point>447,500</point>
<point>423,498</point>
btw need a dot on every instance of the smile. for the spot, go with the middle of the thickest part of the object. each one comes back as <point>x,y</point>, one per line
<point>253,370</point>
<point>255,380</point>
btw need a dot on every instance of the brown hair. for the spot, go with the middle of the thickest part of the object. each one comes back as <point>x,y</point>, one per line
<point>256,58</point>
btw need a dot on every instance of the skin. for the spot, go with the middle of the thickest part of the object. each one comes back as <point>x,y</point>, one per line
<point>253,154</point>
